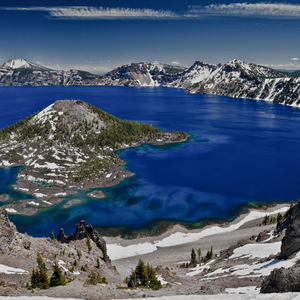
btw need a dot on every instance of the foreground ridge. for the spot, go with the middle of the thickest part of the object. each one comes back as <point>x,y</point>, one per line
<point>248,266</point>
<point>70,145</point>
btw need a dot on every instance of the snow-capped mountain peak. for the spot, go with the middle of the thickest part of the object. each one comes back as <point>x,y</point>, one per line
<point>21,63</point>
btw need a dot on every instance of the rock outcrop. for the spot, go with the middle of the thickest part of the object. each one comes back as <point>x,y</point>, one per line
<point>291,242</point>
<point>81,232</point>
<point>7,231</point>
<point>282,280</point>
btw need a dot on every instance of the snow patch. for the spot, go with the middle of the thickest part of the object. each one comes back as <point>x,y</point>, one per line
<point>10,270</point>
<point>257,250</point>
<point>10,210</point>
<point>39,195</point>
<point>33,203</point>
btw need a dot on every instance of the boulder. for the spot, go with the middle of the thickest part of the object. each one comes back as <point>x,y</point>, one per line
<point>263,236</point>
<point>281,281</point>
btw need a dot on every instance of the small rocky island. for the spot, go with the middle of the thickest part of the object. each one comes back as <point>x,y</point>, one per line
<point>69,146</point>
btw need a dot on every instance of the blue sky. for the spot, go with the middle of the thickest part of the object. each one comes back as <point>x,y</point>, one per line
<point>98,36</point>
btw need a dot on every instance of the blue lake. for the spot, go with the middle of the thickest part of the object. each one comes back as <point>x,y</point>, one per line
<point>240,150</point>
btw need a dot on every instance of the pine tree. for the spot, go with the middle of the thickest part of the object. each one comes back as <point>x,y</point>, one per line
<point>105,257</point>
<point>57,277</point>
<point>143,276</point>
<point>199,254</point>
<point>154,283</point>
<point>193,258</point>
<point>39,277</point>
<point>141,273</point>
<point>209,253</point>
<point>98,263</point>
<point>279,217</point>
<point>52,236</point>
<point>34,278</point>
<point>88,243</point>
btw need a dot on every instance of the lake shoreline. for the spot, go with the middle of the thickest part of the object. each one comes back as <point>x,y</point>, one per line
<point>157,228</point>
<point>249,222</point>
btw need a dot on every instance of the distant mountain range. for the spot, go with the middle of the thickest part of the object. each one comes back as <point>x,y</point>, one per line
<point>20,64</point>
<point>233,79</point>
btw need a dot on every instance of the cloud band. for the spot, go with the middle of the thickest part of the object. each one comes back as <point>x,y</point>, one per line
<point>266,10</point>
<point>271,10</point>
<point>85,12</point>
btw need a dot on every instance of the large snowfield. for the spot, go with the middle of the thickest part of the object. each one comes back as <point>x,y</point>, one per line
<point>178,238</point>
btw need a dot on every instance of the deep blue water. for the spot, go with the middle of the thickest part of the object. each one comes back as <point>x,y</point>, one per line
<point>241,150</point>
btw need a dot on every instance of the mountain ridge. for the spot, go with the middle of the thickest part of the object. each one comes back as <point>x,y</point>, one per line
<point>21,63</point>
<point>235,78</point>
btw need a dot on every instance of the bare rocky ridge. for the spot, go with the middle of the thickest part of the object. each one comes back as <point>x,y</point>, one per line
<point>227,270</point>
<point>70,145</point>
<point>231,268</point>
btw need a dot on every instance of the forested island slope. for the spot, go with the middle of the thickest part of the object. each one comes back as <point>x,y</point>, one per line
<point>70,145</point>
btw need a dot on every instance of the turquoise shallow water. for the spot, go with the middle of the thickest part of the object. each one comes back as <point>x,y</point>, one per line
<point>240,150</point>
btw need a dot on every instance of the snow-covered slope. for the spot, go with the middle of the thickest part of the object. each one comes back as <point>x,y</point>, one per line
<point>233,79</point>
<point>245,80</point>
<point>21,63</point>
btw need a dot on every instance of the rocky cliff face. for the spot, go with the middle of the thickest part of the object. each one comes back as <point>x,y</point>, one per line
<point>291,241</point>
<point>7,231</point>
<point>286,279</point>
<point>82,231</point>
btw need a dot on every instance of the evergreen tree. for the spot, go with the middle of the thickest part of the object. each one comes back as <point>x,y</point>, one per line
<point>154,283</point>
<point>98,263</point>
<point>105,257</point>
<point>52,236</point>
<point>143,276</point>
<point>57,277</point>
<point>39,277</point>
<point>141,273</point>
<point>279,217</point>
<point>209,253</point>
<point>34,278</point>
<point>193,257</point>
<point>199,254</point>
<point>88,243</point>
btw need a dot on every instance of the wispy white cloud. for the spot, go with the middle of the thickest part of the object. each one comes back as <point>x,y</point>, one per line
<point>294,58</point>
<point>86,12</point>
<point>263,9</point>
<point>269,10</point>
<point>289,66</point>
<point>175,63</point>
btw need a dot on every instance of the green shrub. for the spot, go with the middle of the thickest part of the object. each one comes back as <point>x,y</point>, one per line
<point>94,278</point>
